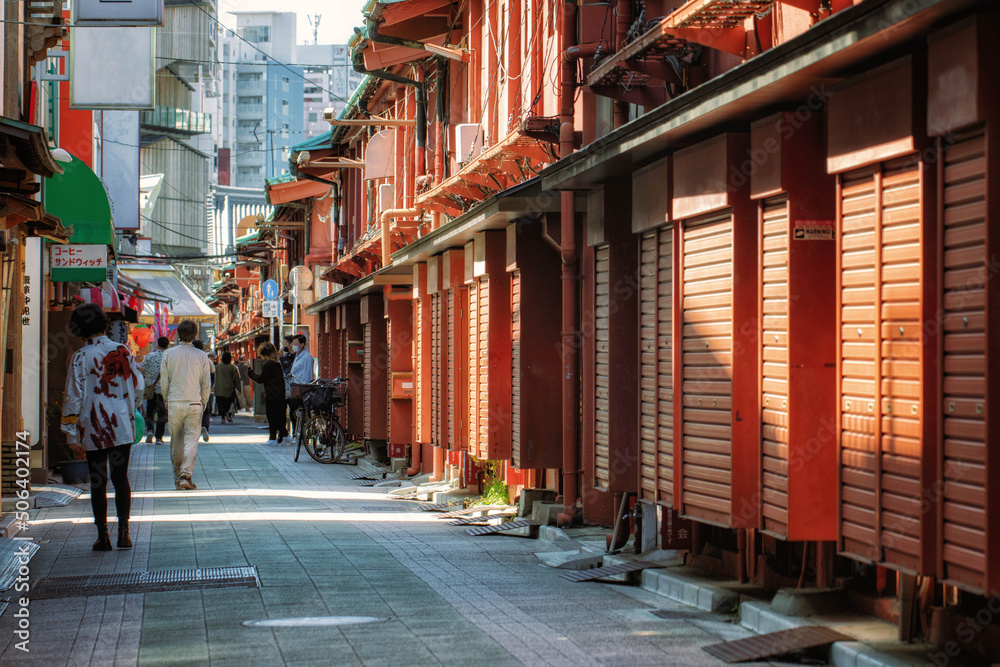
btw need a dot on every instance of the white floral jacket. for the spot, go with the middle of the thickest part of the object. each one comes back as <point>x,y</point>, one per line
<point>103,389</point>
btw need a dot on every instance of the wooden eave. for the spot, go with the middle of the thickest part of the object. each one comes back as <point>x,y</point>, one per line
<point>514,159</point>
<point>283,193</point>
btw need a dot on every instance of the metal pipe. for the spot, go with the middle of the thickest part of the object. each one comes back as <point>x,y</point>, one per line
<point>415,449</point>
<point>440,123</point>
<point>741,548</point>
<point>621,35</point>
<point>386,221</point>
<point>581,51</point>
<point>570,381</point>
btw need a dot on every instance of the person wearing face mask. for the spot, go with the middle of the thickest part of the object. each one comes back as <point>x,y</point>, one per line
<point>301,371</point>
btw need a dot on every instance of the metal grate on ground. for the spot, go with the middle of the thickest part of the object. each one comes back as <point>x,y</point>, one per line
<point>607,571</point>
<point>146,582</point>
<point>503,527</point>
<point>367,482</point>
<point>682,615</point>
<point>436,507</point>
<point>471,510</point>
<point>775,643</point>
<point>56,495</point>
<point>480,520</point>
<point>367,475</point>
<point>383,508</point>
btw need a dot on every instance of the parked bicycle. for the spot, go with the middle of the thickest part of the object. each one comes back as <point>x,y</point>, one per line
<point>319,428</point>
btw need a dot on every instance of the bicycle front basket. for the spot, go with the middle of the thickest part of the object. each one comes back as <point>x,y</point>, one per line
<point>320,398</point>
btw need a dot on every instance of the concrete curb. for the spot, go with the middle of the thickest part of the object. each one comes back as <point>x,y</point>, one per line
<point>688,590</point>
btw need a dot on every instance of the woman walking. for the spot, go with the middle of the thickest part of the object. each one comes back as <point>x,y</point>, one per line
<point>103,389</point>
<point>272,378</point>
<point>227,385</point>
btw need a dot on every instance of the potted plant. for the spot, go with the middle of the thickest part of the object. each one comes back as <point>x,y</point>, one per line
<point>70,459</point>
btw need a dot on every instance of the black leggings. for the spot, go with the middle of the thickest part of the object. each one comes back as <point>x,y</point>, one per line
<point>276,422</point>
<point>98,462</point>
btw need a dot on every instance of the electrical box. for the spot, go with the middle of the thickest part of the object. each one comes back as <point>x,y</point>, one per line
<point>355,352</point>
<point>386,193</point>
<point>402,384</point>
<point>468,141</point>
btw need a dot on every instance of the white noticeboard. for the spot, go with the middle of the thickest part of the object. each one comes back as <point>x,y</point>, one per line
<point>117,12</point>
<point>270,308</point>
<point>112,68</point>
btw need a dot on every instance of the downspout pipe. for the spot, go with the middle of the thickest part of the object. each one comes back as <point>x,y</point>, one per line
<point>440,123</point>
<point>386,220</point>
<point>570,335</point>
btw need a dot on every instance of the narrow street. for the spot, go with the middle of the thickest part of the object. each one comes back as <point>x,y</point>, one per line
<point>323,546</point>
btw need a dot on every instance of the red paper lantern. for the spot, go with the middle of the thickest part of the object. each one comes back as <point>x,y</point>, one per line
<point>142,336</point>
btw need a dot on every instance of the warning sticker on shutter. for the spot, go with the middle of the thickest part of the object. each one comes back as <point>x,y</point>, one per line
<point>812,230</point>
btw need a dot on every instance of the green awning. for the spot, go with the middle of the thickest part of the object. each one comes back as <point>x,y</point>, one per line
<point>78,198</point>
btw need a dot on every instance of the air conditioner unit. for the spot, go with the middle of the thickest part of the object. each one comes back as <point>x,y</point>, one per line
<point>385,196</point>
<point>468,141</point>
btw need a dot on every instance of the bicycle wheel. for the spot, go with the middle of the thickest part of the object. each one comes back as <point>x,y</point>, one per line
<point>325,439</point>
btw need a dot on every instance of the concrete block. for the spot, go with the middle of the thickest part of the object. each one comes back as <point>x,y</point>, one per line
<point>528,498</point>
<point>810,601</point>
<point>647,540</point>
<point>545,512</point>
<point>759,617</point>
<point>690,591</point>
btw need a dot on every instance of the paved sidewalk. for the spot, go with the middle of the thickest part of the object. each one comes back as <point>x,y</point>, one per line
<point>321,549</point>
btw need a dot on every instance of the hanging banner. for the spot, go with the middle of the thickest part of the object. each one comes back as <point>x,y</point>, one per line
<point>31,338</point>
<point>79,263</point>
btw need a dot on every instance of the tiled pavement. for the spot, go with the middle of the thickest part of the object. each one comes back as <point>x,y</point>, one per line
<point>447,598</point>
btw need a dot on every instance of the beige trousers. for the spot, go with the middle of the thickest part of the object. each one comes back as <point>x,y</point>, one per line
<point>184,421</point>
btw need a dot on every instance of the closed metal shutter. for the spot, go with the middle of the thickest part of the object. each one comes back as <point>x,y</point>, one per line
<point>484,367</point>
<point>602,304</point>
<point>880,363</point>
<point>774,365</point>
<point>706,368</point>
<point>436,368</point>
<point>515,360</point>
<point>964,383</point>
<point>472,419</point>
<point>656,368</point>
<point>368,380</point>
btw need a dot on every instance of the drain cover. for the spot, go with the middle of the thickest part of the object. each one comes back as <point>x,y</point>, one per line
<point>383,508</point>
<point>679,615</point>
<point>311,621</point>
<point>146,582</point>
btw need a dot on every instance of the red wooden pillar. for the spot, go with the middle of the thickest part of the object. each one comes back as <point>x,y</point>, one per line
<point>797,202</point>
<point>536,365</point>
<point>456,333</point>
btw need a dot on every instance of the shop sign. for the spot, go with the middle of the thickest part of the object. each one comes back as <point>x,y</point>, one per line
<point>79,263</point>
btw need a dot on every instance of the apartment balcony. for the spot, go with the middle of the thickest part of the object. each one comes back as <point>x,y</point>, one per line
<point>251,87</point>
<point>181,121</point>
<point>246,134</point>
<point>250,111</point>
<point>253,158</point>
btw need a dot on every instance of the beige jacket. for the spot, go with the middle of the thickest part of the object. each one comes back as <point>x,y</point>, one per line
<point>185,375</point>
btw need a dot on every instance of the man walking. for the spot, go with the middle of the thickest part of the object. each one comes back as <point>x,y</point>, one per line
<point>156,408</point>
<point>186,382</point>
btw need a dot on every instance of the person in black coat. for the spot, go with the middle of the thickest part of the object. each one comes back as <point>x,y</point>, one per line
<point>272,378</point>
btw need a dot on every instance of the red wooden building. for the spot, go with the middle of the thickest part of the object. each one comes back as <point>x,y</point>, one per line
<point>728,259</point>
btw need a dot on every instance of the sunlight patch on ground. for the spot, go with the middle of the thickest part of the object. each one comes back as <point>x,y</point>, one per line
<point>321,515</point>
<point>255,493</point>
